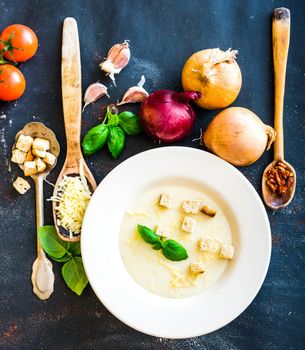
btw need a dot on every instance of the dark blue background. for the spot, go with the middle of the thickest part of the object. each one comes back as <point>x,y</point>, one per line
<point>162,34</point>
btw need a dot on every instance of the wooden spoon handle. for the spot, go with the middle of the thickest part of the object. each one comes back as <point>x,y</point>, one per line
<point>42,272</point>
<point>39,207</point>
<point>71,90</point>
<point>280,41</point>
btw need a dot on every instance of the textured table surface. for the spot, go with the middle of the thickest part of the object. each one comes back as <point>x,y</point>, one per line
<point>162,35</point>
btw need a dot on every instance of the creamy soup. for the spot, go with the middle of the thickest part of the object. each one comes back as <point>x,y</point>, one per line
<point>149,267</point>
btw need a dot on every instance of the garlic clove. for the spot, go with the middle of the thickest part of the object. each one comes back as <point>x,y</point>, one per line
<point>117,58</point>
<point>135,94</point>
<point>94,92</point>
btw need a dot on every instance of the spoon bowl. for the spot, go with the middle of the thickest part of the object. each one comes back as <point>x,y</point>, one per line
<point>37,129</point>
<point>42,272</point>
<point>67,170</point>
<point>275,201</point>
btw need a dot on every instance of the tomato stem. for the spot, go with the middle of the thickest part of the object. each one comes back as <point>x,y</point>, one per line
<point>8,47</point>
<point>3,61</point>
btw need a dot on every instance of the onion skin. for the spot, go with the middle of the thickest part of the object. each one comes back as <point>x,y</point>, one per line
<point>239,136</point>
<point>167,116</point>
<point>216,74</point>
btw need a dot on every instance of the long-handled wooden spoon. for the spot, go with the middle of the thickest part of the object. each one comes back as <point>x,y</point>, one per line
<point>72,101</point>
<point>280,42</point>
<point>42,271</point>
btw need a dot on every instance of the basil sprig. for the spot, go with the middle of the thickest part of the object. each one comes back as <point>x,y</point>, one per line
<point>112,130</point>
<point>67,252</point>
<point>171,249</point>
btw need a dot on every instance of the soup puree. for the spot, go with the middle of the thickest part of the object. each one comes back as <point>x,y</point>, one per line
<point>149,267</point>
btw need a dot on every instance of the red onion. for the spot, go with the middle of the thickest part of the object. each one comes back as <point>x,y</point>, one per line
<point>167,115</point>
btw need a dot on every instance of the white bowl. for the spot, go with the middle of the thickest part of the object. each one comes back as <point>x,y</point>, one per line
<point>216,306</point>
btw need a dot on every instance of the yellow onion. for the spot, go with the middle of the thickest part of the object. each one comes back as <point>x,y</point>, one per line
<point>214,73</point>
<point>238,135</point>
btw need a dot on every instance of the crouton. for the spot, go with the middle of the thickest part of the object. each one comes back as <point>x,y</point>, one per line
<point>227,251</point>
<point>49,158</point>
<point>41,144</point>
<point>30,168</point>
<point>39,153</point>
<point>24,143</point>
<point>188,225</point>
<point>166,200</point>
<point>29,156</point>
<point>18,156</point>
<point>208,211</point>
<point>206,244</point>
<point>21,185</point>
<point>191,206</point>
<point>40,164</point>
<point>197,267</point>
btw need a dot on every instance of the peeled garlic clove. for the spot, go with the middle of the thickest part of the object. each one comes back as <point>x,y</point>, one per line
<point>117,58</point>
<point>135,94</point>
<point>94,92</point>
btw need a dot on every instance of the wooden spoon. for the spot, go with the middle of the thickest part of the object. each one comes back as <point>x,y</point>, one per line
<point>72,101</point>
<point>42,271</point>
<point>280,41</point>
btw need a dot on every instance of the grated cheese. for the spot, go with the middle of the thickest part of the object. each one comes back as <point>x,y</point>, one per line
<point>73,198</point>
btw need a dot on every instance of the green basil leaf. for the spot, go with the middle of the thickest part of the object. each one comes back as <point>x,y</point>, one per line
<point>157,246</point>
<point>74,275</point>
<point>113,119</point>
<point>116,141</point>
<point>174,251</point>
<point>148,235</point>
<point>95,139</point>
<point>64,258</point>
<point>74,248</point>
<point>130,123</point>
<point>55,247</point>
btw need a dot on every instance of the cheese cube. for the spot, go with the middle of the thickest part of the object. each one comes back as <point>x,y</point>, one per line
<point>41,144</point>
<point>166,200</point>
<point>39,153</point>
<point>188,225</point>
<point>18,156</point>
<point>21,185</point>
<point>24,143</point>
<point>29,156</point>
<point>197,267</point>
<point>227,251</point>
<point>206,244</point>
<point>30,168</point>
<point>163,231</point>
<point>49,158</point>
<point>40,164</point>
<point>191,206</point>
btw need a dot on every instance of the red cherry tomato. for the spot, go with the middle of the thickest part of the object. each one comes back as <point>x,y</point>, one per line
<point>12,83</point>
<point>21,41</point>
